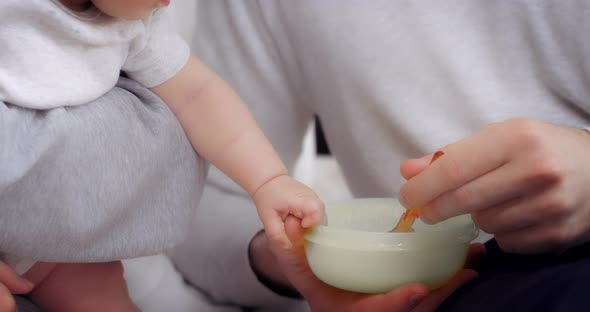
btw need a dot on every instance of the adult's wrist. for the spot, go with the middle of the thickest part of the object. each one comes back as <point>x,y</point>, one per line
<point>267,269</point>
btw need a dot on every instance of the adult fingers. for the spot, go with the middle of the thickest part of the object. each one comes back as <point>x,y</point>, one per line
<point>525,212</point>
<point>295,233</point>
<point>402,299</point>
<point>274,229</point>
<point>294,262</point>
<point>14,283</point>
<point>513,179</point>
<point>7,303</point>
<point>463,161</point>
<point>412,167</point>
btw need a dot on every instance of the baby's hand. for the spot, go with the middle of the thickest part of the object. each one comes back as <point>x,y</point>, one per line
<point>283,196</point>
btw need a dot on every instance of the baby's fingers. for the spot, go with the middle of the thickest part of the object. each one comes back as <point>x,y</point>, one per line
<point>310,211</point>
<point>274,229</point>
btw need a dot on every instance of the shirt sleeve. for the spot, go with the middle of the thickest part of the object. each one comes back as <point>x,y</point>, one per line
<point>158,53</point>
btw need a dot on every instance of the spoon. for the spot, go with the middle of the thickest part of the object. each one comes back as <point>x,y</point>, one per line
<point>406,221</point>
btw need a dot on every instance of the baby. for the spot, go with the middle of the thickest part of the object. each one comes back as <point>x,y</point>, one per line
<point>69,52</point>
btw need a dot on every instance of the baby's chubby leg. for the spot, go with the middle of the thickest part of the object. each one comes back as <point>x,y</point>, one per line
<point>66,287</point>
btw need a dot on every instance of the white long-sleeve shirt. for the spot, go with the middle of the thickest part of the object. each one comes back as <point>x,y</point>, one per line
<point>390,80</point>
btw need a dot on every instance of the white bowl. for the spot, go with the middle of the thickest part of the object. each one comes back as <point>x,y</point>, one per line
<point>355,251</point>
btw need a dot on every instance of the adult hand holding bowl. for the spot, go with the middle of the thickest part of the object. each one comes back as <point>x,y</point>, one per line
<point>357,252</point>
<point>323,297</point>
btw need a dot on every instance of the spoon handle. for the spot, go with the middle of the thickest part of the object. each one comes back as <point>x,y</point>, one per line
<point>410,215</point>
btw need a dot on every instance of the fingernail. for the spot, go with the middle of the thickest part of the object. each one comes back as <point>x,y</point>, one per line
<point>402,199</point>
<point>29,283</point>
<point>287,243</point>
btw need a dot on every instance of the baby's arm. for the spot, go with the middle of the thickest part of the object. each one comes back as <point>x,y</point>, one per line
<point>220,127</point>
<point>222,130</point>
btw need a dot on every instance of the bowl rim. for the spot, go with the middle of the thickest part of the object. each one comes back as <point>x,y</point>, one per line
<point>372,240</point>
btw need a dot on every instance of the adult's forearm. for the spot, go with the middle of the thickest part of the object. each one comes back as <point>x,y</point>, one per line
<point>112,179</point>
<point>267,270</point>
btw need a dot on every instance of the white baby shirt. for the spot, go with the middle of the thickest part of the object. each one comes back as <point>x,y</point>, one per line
<point>51,56</point>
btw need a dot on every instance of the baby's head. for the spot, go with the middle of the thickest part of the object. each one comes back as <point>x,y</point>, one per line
<point>127,9</point>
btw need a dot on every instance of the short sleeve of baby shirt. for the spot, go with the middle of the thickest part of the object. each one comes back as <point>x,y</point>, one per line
<point>158,53</point>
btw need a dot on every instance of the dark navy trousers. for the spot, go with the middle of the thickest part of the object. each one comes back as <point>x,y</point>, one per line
<point>511,282</point>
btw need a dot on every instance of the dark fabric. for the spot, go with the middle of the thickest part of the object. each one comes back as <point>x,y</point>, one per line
<point>512,282</point>
<point>25,305</point>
